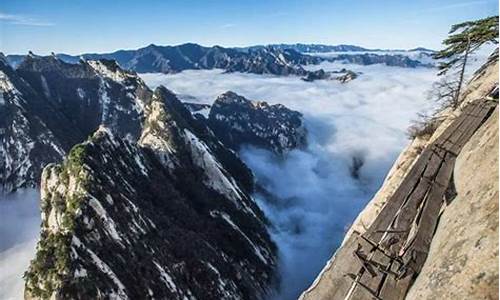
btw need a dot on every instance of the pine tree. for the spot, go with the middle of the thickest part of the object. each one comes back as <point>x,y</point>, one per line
<point>465,38</point>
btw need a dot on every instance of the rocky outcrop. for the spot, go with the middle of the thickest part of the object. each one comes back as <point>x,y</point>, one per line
<point>49,105</point>
<point>238,121</point>
<point>27,143</point>
<point>169,217</point>
<point>347,75</point>
<point>450,271</point>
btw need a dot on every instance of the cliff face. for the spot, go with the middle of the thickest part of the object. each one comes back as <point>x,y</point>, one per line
<point>47,106</point>
<point>238,121</point>
<point>162,212</point>
<point>118,221</point>
<point>463,259</point>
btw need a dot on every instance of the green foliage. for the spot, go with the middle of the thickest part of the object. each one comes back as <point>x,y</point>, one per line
<point>50,269</point>
<point>76,157</point>
<point>465,38</point>
<point>50,265</point>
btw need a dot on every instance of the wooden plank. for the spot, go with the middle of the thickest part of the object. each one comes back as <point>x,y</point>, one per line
<point>472,128</point>
<point>434,163</point>
<point>376,231</point>
<point>392,241</point>
<point>416,254</point>
<point>343,263</point>
<point>455,124</point>
<point>394,288</point>
<point>474,120</point>
<point>371,282</point>
<point>468,118</point>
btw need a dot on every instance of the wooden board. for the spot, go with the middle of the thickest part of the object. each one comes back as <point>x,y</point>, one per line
<point>343,263</point>
<point>371,282</point>
<point>455,124</point>
<point>392,241</point>
<point>394,203</point>
<point>471,129</point>
<point>418,249</point>
<point>395,288</point>
<point>383,262</point>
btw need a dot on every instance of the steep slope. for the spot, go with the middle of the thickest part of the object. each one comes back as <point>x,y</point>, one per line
<point>169,217</point>
<point>238,121</point>
<point>450,270</point>
<point>26,142</point>
<point>50,105</point>
<point>465,264</point>
<point>88,94</point>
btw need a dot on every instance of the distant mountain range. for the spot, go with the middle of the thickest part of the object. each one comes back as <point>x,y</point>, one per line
<point>278,59</point>
<point>320,48</point>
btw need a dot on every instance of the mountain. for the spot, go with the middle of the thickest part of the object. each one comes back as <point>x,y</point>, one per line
<point>174,59</point>
<point>49,106</point>
<point>152,205</point>
<point>27,143</point>
<point>276,59</point>
<point>238,121</point>
<point>310,48</point>
<point>347,75</point>
<point>392,60</point>
<point>322,48</point>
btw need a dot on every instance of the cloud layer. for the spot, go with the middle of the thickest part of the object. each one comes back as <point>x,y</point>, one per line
<point>315,196</point>
<point>19,229</point>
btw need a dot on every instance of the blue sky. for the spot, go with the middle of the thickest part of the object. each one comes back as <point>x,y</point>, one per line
<point>101,26</point>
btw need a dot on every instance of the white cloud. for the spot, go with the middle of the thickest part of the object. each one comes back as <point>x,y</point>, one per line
<point>228,25</point>
<point>19,231</point>
<point>365,118</point>
<point>23,20</point>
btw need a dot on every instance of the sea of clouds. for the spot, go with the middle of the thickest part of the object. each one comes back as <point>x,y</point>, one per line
<point>19,231</point>
<point>315,196</point>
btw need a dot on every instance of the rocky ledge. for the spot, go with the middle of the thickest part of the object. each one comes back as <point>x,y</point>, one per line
<point>238,121</point>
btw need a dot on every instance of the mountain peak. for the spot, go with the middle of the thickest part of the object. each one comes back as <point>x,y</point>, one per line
<point>238,121</point>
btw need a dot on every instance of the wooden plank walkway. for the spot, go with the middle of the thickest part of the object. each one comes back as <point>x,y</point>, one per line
<point>383,262</point>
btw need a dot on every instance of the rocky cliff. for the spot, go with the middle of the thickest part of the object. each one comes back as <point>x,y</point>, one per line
<point>238,121</point>
<point>48,106</point>
<point>167,217</point>
<point>463,258</point>
<point>151,205</point>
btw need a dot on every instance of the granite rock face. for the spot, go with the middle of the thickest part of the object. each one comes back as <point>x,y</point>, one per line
<point>238,121</point>
<point>169,217</point>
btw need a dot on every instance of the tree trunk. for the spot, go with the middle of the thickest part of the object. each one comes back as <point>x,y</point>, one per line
<point>456,99</point>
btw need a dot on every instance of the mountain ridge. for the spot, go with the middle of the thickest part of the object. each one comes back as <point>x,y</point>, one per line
<point>277,59</point>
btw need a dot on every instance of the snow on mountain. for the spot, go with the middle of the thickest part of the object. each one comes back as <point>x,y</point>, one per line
<point>153,204</point>
<point>238,121</point>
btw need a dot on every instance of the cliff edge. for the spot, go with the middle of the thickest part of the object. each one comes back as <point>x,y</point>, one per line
<point>463,258</point>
